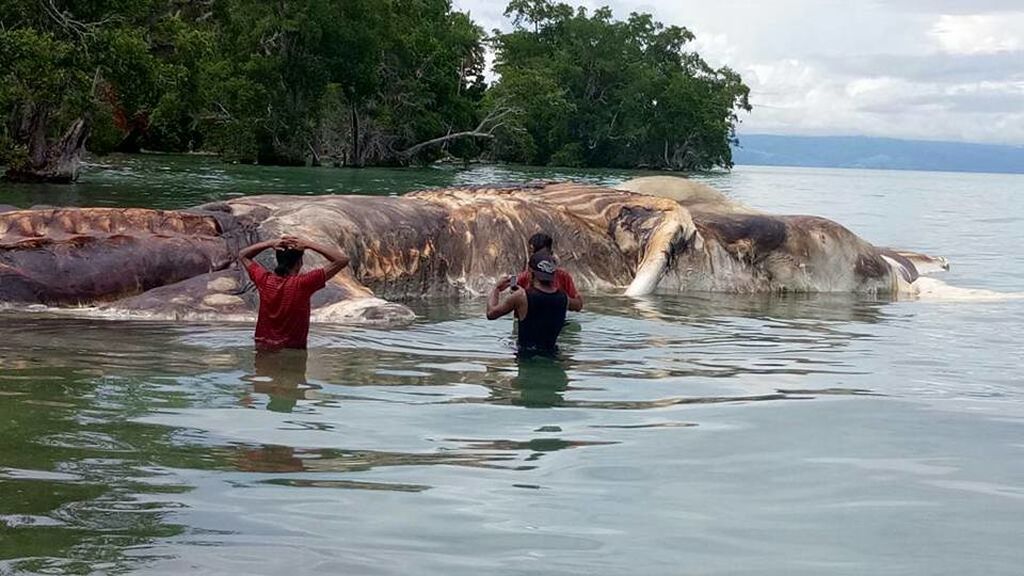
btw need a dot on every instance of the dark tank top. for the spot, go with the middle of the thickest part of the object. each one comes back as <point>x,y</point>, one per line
<point>545,316</point>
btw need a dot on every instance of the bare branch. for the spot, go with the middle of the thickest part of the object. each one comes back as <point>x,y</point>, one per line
<point>494,120</point>
<point>76,27</point>
<point>313,153</point>
<point>267,45</point>
<point>224,111</point>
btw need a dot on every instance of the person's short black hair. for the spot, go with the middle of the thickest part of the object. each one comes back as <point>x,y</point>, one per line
<point>286,261</point>
<point>541,241</point>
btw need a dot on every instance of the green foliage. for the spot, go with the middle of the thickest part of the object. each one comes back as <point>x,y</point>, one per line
<point>37,66</point>
<point>597,91</point>
<point>570,155</point>
<point>353,80</point>
<point>363,82</point>
<point>12,152</point>
<point>106,136</point>
<point>107,61</point>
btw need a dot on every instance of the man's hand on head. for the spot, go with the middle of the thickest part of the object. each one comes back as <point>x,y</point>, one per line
<point>290,243</point>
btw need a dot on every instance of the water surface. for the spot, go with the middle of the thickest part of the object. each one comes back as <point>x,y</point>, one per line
<point>678,434</point>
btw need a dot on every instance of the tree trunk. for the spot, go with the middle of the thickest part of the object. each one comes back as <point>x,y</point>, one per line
<point>314,154</point>
<point>51,161</point>
<point>357,154</point>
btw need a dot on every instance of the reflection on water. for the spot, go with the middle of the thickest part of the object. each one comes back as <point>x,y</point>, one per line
<point>99,418</point>
<point>74,491</point>
<point>281,375</point>
<point>129,444</point>
<point>539,382</point>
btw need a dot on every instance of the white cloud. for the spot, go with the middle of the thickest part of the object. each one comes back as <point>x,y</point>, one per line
<point>930,69</point>
<point>715,48</point>
<point>952,6</point>
<point>979,33</point>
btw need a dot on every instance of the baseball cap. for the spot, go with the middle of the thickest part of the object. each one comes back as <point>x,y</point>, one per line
<point>543,266</point>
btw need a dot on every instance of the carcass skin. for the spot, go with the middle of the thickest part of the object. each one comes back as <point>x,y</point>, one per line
<point>668,234</point>
<point>70,256</point>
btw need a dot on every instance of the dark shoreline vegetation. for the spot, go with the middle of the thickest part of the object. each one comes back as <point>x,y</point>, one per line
<point>355,83</point>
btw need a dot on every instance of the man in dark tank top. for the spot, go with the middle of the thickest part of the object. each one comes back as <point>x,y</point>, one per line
<point>540,308</point>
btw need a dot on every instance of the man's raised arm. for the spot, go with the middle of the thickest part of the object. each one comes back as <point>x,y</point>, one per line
<point>498,307</point>
<point>246,255</point>
<point>336,259</point>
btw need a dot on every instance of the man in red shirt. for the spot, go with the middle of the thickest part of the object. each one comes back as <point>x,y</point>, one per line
<point>283,320</point>
<point>541,243</point>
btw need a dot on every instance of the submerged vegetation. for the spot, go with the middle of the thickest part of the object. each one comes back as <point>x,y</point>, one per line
<point>355,83</point>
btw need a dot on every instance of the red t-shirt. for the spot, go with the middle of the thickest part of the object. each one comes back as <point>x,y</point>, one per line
<point>563,282</point>
<point>284,306</point>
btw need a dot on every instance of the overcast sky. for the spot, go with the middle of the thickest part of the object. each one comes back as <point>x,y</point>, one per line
<point>928,69</point>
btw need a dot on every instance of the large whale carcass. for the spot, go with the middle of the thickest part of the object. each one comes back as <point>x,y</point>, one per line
<point>656,233</point>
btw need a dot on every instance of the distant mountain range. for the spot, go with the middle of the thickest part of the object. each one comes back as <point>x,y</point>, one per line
<point>881,153</point>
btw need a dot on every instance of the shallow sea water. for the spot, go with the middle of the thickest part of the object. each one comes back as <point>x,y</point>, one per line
<point>676,434</point>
